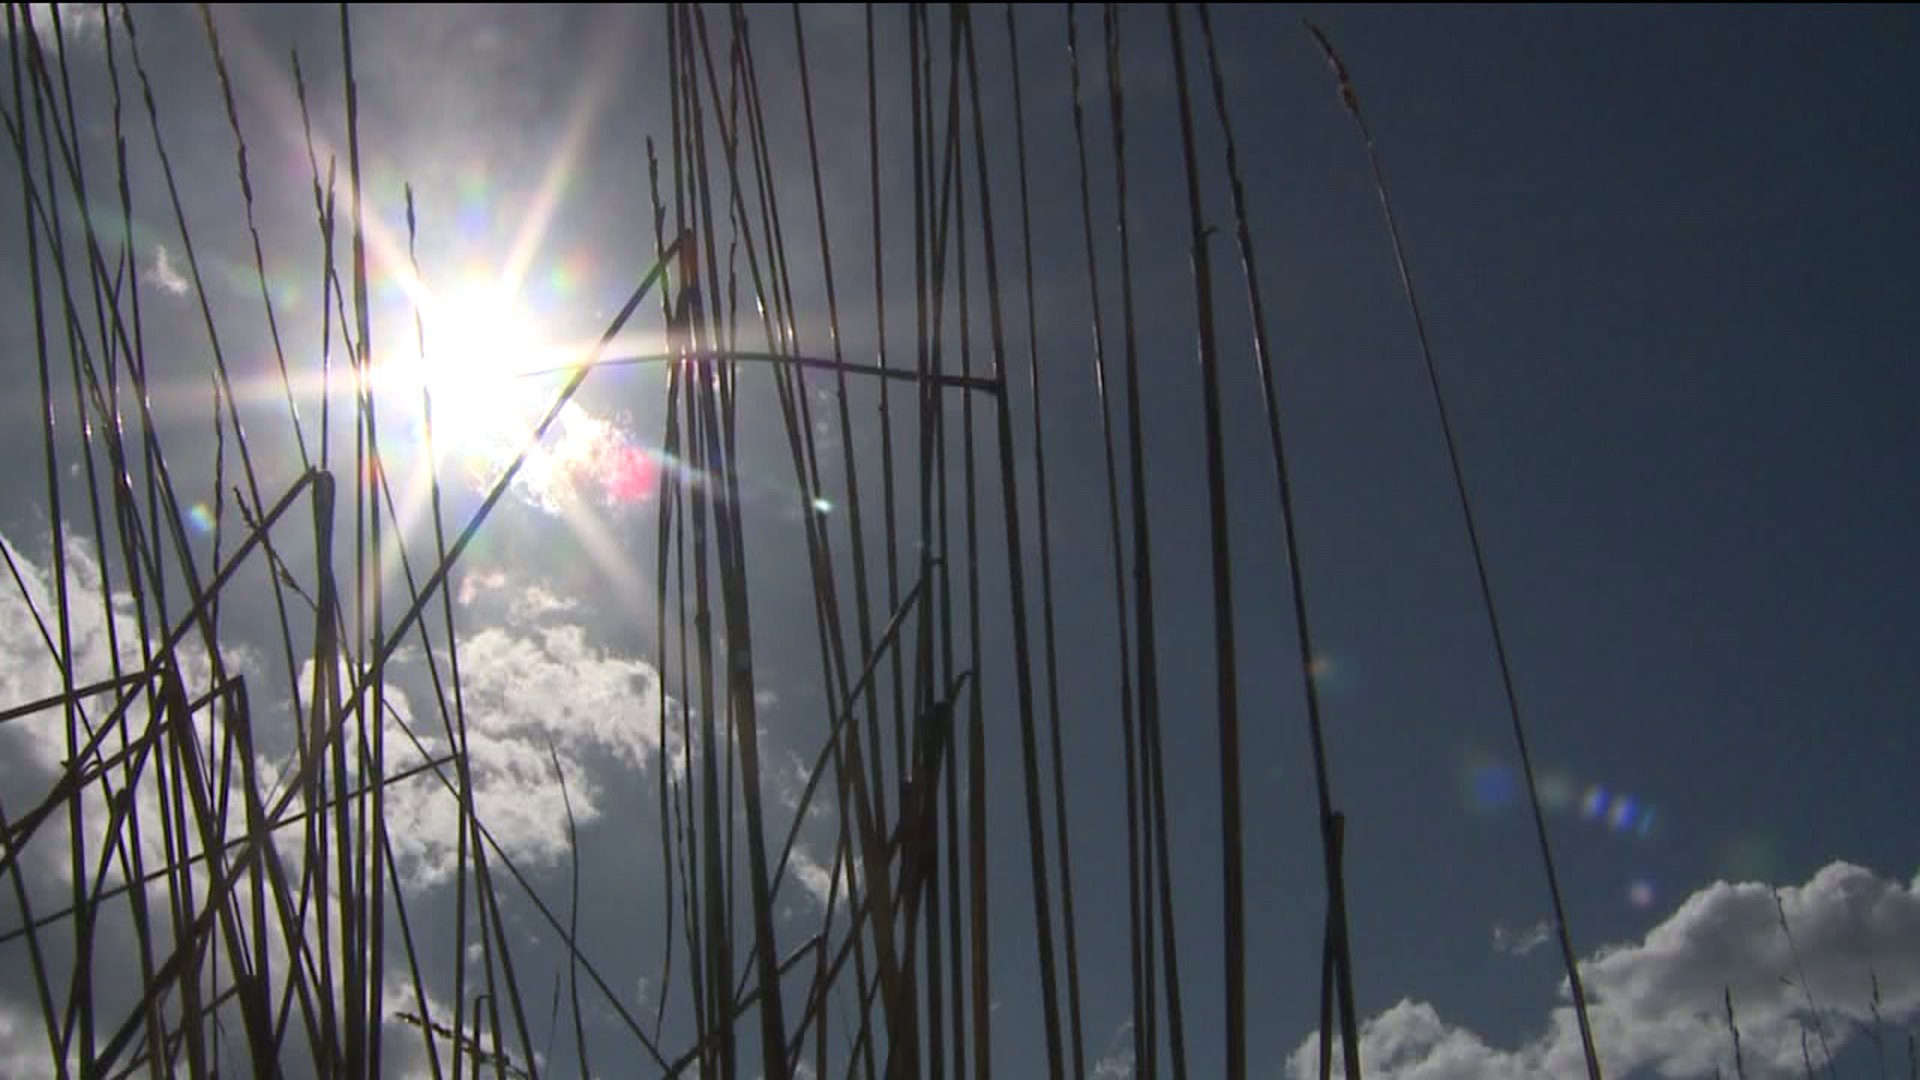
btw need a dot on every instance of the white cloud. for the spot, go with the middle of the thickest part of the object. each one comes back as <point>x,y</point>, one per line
<point>536,601</point>
<point>1520,942</point>
<point>815,878</point>
<point>162,273</point>
<point>475,582</point>
<point>524,686</point>
<point>33,751</point>
<point>404,1038</point>
<point>1410,1042</point>
<point>531,692</point>
<point>33,748</point>
<point>1658,1005</point>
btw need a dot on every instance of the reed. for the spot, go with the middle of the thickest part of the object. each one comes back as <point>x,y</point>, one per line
<point>234,818</point>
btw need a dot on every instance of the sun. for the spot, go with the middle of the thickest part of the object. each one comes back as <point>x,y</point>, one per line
<point>479,371</point>
<point>485,379</point>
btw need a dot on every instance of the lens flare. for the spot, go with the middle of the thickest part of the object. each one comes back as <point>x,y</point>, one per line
<point>200,518</point>
<point>491,372</point>
<point>632,474</point>
<point>1621,816</point>
<point>1556,791</point>
<point>1332,672</point>
<point>1594,804</point>
<point>1493,787</point>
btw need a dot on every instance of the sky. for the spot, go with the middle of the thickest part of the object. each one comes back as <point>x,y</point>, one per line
<point>1666,261</point>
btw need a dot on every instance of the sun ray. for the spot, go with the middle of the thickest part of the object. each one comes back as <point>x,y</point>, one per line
<point>582,118</point>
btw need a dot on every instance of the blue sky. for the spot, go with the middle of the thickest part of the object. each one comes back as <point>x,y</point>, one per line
<point>1666,260</point>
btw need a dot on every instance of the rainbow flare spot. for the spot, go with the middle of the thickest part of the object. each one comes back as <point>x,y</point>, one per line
<point>1493,787</point>
<point>1594,804</point>
<point>1622,814</point>
<point>1556,791</point>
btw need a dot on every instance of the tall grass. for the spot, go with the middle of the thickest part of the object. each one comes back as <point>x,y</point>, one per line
<point>270,915</point>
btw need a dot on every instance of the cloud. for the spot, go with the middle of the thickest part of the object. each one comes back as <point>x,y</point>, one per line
<point>81,23</point>
<point>33,753</point>
<point>23,1045</point>
<point>814,877</point>
<point>33,748</point>
<point>540,679</point>
<point>163,274</point>
<point>405,1029</point>
<point>536,601</point>
<point>532,690</point>
<point>1520,942</point>
<point>1658,1005</point>
<point>1117,1062</point>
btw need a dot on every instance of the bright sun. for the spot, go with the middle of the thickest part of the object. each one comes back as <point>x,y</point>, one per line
<point>481,347</point>
<point>491,372</point>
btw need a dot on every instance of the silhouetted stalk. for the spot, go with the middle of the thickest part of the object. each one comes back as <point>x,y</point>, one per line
<point>1806,988</point>
<point>366,967</point>
<point>56,1040</point>
<point>1874,1032</point>
<point>1227,679</point>
<point>103,892</point>
<point>1062,835</point>
<point>855,518</point>
<point>257,918</point>
<point>253,230</point>
<point>1733,1029</point>
<point>887,486</point>
<point>1337,978</point>
<point>573,911</point>
<point>1016,577</point>
<point>1116,548</point>
<point>1148,664</point>
<point>742,707</point>
<point>1568,957</point>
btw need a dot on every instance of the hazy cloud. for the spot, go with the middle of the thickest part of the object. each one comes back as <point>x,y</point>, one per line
<point>163,274</point>
<point>79,23</point>
<point>1520,942</point>
<point>1117,1062</point>
<point>23,1045</point>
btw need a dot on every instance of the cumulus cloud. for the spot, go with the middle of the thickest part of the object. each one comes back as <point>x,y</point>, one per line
<point>540,682</point>
<point>1658,1005</point>
<point>532,690</point>
<point>102,628</point>
<point>33,748</point>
